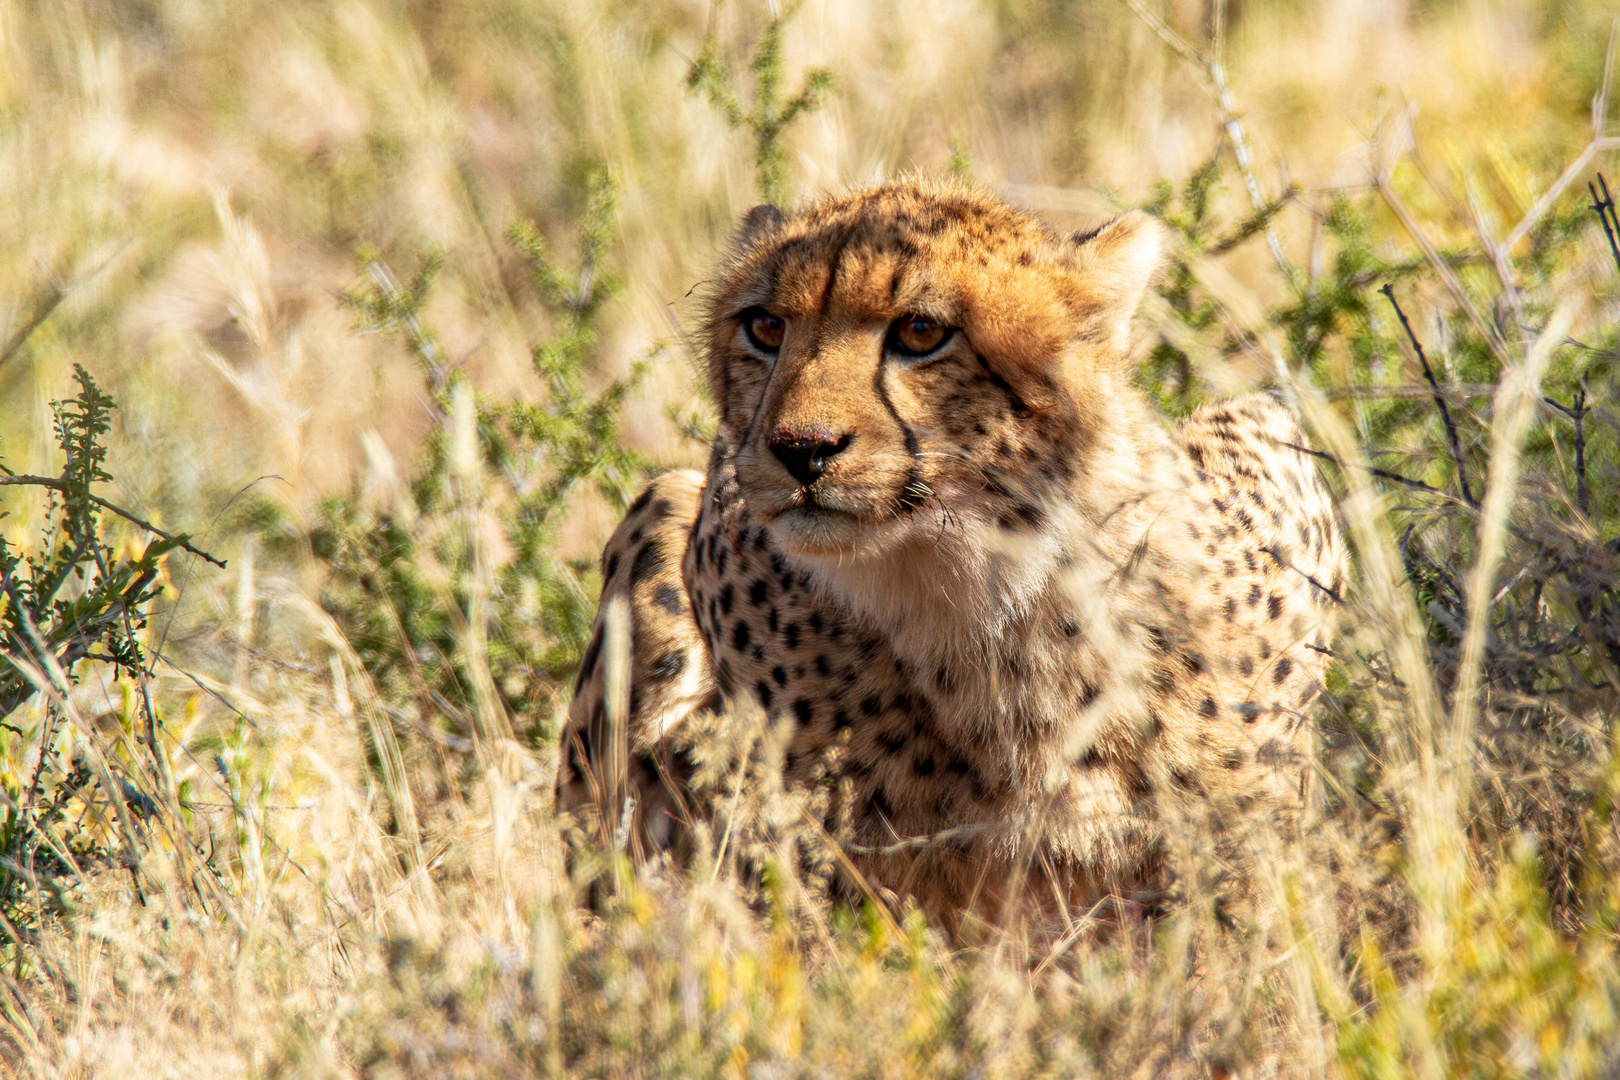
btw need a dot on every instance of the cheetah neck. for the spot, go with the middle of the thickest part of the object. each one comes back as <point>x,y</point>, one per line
<point>959,594</point>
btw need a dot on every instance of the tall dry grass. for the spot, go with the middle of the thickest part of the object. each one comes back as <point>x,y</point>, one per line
<point>373,891</point>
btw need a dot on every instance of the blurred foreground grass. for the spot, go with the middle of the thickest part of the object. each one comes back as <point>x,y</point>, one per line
<point>380,336</point>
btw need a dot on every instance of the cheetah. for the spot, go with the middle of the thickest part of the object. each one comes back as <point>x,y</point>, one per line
<point>1004,610</point>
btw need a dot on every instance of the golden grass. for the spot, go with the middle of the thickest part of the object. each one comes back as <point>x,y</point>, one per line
<point>187,186</point>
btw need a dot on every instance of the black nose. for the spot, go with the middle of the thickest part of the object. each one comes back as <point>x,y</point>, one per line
<point>805,454</point>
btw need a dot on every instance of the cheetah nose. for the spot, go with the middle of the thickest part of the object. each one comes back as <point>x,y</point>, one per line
<point>805,454</point>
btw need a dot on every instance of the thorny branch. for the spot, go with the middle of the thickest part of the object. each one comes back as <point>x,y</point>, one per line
<point>1439,399</point>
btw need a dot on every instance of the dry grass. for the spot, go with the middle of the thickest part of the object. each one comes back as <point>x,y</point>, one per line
<point>187,187</point>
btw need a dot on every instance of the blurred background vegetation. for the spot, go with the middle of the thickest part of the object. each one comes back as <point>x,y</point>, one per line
<point>392,298</point>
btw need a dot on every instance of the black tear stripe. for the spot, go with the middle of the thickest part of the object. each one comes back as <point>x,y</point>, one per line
<point>909,498</point>
<point>815,345</point>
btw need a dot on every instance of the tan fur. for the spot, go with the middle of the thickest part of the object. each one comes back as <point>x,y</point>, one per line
<point>1014,616</point>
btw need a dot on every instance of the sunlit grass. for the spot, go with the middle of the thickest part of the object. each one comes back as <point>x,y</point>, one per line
<point>378,885</point>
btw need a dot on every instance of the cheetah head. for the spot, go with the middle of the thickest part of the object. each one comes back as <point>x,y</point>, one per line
<point>916,358</point>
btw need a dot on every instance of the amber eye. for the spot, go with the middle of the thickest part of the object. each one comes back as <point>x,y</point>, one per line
<point>765,331</point>
<point>915,335</point>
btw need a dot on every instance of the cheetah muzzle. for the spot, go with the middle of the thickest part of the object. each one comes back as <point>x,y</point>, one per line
<point>1005,611</point>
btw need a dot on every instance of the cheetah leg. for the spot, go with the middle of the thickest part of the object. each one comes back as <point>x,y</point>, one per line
<point>617,773</point>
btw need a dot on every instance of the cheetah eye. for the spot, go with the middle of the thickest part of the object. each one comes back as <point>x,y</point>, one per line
<point>918,335</point>
<point>765,331</point>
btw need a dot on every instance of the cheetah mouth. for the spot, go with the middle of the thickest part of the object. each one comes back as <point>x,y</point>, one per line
<point>812,527</point>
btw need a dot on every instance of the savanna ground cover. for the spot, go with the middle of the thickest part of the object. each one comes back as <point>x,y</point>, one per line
<point>383,307</point>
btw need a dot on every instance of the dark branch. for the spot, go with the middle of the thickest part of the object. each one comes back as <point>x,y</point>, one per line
<point>56,483</point>
<point>1439,398</point>
<point>1381,473</point>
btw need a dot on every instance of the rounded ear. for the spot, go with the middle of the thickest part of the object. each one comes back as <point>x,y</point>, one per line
<point>760,221</point>
<point>1116,264</point>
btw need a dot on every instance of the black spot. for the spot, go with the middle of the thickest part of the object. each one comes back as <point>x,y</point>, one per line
<point>759,591</point>
<point>1274,606</point>
<point>1208,708</point>
<point>667,666</point>
<point>611,568</point>
<point>739,635</point>
<point>771,620</point>
<point>1233,760</point>
<point>803,712</point>
<point>1022,516</point>
<point>720,559</point>
<point>840,720</point>
<point>1230,608</point>
<point>1254,596</point>
<point>1157,639</point>
<point>945,680</point>
<point>1071,628</point>
<point>668,597</point>
<point>640,504</point>
<point>892,741</point>
<point>726,598</point>
<point>923,765</point>
<point>779,675</point>
<point>815,621</point>
<point>763,689</point>
<point>877,804</point>
<point>1091,759</point>
<point>649,561</point>
<point>790,634</point>
<point>1249,711</point>
<point>1246,666</point>
<point>1088,693</point>
<point>871,705</point>
<point>1282,670</point>
<point>1194,662</point>
<point>821,665</point>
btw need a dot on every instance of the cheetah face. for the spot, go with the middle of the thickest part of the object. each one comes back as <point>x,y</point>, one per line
<point>914,359</point>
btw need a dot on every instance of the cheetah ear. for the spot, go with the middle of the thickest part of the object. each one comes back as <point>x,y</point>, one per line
<point>762,220</point>
<point>1116,264</point>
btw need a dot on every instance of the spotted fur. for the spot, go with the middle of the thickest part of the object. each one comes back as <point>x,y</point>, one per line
<point>1010,615</point>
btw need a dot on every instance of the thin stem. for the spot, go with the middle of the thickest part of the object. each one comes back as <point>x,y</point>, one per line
<point>56,483</point>
<point>1603,206</point>
<point>1382,474</point>
<point>1439,398</point>
<point>1577,411</point>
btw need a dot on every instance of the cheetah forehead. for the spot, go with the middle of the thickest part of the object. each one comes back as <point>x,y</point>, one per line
<point>915,245</point>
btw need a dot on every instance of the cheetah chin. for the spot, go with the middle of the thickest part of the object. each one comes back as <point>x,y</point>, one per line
<point>1014,624</point>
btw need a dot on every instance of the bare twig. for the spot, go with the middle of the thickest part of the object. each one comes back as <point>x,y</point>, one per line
<point>56,483</point>
<point>1442,267</point>
<point>1439,398</point>
<point>1603,206</point>
<point>1383,474</point>
<point>1576,410</point>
